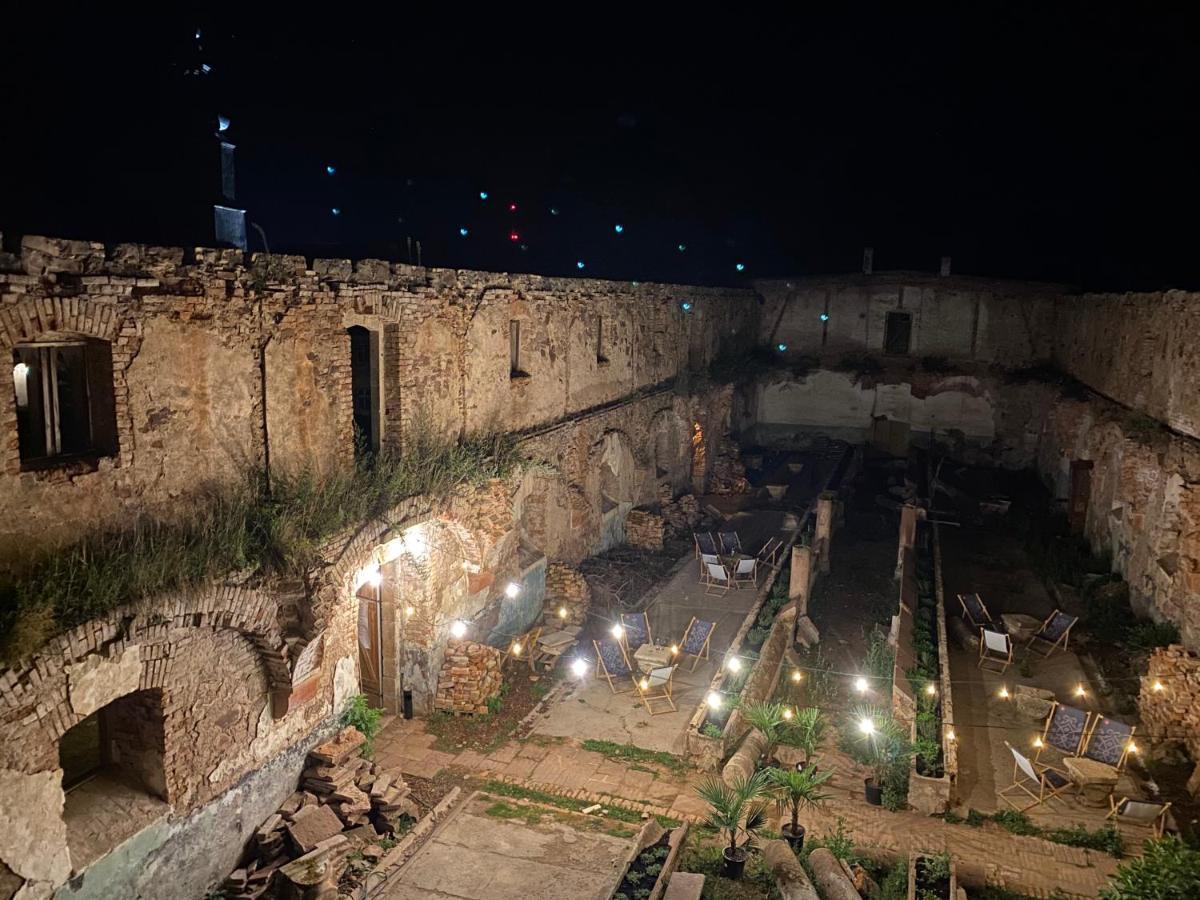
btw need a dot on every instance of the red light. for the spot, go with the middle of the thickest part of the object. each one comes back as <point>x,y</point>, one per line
<point>513,236</point>
<point>512,207</point>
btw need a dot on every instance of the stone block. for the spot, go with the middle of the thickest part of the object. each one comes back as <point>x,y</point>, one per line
<point>312,825</point>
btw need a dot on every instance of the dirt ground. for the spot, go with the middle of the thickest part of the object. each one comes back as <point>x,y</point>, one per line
<point>523,690</point>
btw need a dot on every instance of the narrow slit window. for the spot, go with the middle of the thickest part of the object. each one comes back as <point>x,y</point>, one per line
<point>897,333</point>
<point>600,357</point>
<point>514,349</point>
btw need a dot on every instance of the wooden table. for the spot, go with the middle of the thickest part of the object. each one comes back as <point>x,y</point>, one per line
<point>650,657</point>
<point>553,645</point>
<point>1096,780</point>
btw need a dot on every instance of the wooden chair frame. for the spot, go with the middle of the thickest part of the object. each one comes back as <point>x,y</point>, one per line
<point>523,647</point>
<point>1158,824</point>
<point>969,617</point>
<point>770,550</point>
<point>602,669</point>
<point>750,578</point>
<point>991,657</point>
<point>702,653</point>
<point>714,585</point>
<point>1066,751</point>
<point>625,630</point>
<point>1050,782</point>
<point>1055,644</point>
<point>650,690</point>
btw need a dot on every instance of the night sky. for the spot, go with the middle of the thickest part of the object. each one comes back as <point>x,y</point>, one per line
<point>1054,141</point>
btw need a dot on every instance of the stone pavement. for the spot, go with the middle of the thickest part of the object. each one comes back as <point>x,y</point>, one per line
<point>1029,865</point>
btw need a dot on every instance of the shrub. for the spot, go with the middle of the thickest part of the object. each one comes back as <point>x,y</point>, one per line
<point>839,842</point>
<point>365,718</point>
<point>1168,870</point>
<point>1148,635</point>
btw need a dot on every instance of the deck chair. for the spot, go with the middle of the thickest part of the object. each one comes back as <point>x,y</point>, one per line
<point>1053,633</point>
<point>705,560</point>
<point>974,612</point>
<point>523,648</point>
<point>613,664</point>
<point>635,630</point>
<point>656,688</point>
<point>705,543</point>
<point>730,542</point>
<point>1108,742</point>
<point>746,572</point>
<point>716,579</point>
<point>770,551</point>
<point>1039,783</point>
<point>995,650</point>
<point>1065,730</point>
<point>696,638</point>
<point>1150,813</point>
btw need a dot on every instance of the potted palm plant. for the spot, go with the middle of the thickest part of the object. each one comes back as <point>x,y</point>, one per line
<point>796,790</point>
<point>884,746</point>
<point>738,811</point>
<point>805,732</point>
<point>768,718</point>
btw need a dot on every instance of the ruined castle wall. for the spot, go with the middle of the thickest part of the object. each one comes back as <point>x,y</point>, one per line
<point>224,365</point>
<point>1142,350</point>
<point>1007,323</point>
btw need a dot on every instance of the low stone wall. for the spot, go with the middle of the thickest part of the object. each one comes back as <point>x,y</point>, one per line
<point>470,677</point>
<point>644,529</point>
<point>1169,702</point>
<point>681,514</point>
<point>568,596</point>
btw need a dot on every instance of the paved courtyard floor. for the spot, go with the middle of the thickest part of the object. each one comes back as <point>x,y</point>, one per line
<point>474,855</point>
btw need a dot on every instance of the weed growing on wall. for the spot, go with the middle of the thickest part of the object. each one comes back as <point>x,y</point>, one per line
<point>251,528</point>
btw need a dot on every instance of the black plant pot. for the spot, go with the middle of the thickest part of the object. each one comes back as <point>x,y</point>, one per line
<point>874,792</point>
<point>734,862</point>
<point>795,838</point>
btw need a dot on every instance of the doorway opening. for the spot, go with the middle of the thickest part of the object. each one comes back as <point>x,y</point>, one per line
<point>364,388</point>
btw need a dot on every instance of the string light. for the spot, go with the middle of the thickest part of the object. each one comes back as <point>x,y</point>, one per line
<point>674,649</point>
<point>562,612</point>
<point>511,590</point>
<point>408,610</point>
<point>930,689</point>
<point>1132,748</point>
<point>713,700</point>
<point>1037,742</point>
<point>1157,687</point>
<point>797,675</point>
<point>733,664</point>
<point>1004,693</point>
<point>645,683</point>
<point>458,628</point>
<point>579,667</point>
<point>787,713</point>
<point>1080,692</point>
<point>617,632</point>
<point>860,684</point>
<point>516,648</point>
<point>866,726</point>
<point>950,734</point>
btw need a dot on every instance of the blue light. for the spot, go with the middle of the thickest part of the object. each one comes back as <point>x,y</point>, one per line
<point>205,68</point>
<point>741,267</point>
<point>824,317</point>
<point>579,264</point>
<point>330,170</point>
<point>682,248</point>
<point>554,210</point>
<point>782,348</point>
<point>618,228</point>
<point>483,195</point>
<point>337,211</point>
<point>222,123</point>
<point>463,232</point>
<point>685,306</point>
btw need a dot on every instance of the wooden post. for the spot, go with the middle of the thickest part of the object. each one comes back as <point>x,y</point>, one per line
<point>801,574</point>
<point>823,534</point>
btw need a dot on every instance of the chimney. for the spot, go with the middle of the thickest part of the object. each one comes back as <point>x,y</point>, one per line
<point>868,260</point>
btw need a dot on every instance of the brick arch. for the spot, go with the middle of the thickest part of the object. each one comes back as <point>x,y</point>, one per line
<point>30,320</point>
<point>620,442</point>
<point>36,693</point>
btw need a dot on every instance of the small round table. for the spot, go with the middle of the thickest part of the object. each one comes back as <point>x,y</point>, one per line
<point>1095,780</point>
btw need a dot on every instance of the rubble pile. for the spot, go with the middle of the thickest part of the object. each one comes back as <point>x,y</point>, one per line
<point>345,803</point>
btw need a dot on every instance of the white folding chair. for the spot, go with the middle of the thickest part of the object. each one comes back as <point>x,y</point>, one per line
<point>657,686</point>
<point>718,581</point>
<point>995,649</point>
<point>706,560</point>
<point>1149,813</point>
<point>1049,782</point>
<point>746,572</point>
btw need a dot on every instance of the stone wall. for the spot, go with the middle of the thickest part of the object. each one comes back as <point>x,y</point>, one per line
<point>1141,350</point>
<point>222,365</point>
<point>470,678</point>
<point>568,596</point>
<point>644,529</point>
<point>1005,322</point>
<point>1169,701</point>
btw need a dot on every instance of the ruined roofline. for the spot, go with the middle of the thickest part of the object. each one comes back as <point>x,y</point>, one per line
<point>907,277</point>
<point>40,255</point>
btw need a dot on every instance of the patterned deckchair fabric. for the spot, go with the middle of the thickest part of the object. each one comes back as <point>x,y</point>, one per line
<point>974,610</point>
<point>730,542</point>
<point>1066,728</point>
<point>1109,742</point>
<point>1054,633</point>
<point>705,543</point>
<point>636,630</point>
<point>611,662</point>
<point>696,640</point>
